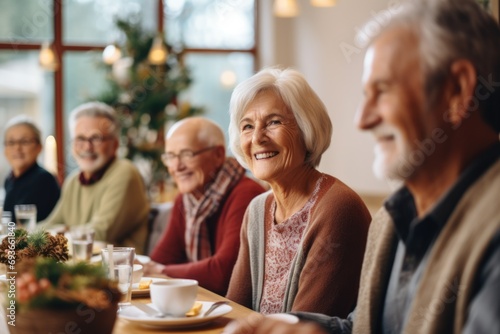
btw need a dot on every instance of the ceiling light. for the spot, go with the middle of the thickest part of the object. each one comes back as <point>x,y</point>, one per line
<point>323,3</point>
<point>286,8</point>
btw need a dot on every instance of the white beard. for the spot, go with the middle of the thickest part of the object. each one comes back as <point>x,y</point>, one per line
<point>391,165</point>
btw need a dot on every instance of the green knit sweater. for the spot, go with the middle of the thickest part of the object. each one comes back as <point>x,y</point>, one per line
<point>116,206</point>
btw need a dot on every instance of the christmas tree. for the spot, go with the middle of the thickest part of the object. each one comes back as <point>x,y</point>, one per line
<point>144,92</point>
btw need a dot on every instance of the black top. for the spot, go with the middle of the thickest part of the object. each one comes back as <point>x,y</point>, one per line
<point>35,186</point>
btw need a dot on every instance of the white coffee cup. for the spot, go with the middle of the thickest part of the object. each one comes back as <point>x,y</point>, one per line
<point>174,296</point>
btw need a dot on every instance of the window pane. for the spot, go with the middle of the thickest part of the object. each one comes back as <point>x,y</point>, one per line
<point>214,78</point>
<point>93,21</point>
<point>26,21</point>
<point>24,89</point>
<point>222,24</point>
<point>84,79</point>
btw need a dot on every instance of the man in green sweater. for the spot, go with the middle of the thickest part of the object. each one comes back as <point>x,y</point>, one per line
<point>106,193</point>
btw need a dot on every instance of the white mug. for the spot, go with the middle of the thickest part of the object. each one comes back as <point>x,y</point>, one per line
<point>174,296</point>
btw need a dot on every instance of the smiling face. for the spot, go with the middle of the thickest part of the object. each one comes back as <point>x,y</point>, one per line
<point>91,157</point>
<point>394,107</point>
<point>193,174</point>
<point>21,148</point>
<point>271,140</point>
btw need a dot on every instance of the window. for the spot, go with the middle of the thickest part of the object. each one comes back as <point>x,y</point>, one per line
<point>218,37</point>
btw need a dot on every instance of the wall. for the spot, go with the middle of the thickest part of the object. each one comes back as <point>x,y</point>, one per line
<point>311,43</point>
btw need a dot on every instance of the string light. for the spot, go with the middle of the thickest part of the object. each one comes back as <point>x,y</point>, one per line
<point>47,58</point>
<point>111,54</point>
<point>158,53</point>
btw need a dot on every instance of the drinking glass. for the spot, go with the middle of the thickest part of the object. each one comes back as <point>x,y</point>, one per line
<point>82,239</point>
<point>6,219</point>
<point>26,216</point>
<point>119,266</point>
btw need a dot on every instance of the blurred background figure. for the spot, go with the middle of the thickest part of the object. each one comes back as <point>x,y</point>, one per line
<point>27,183</point>
<point>202,238</point>
<point>302,244</point>
<point>106,193</point>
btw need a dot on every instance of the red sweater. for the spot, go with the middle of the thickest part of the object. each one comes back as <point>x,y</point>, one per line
<point>212,273</point>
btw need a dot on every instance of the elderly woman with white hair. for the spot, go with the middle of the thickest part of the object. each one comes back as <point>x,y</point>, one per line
<point>27,183</point>
<point>302,243</point>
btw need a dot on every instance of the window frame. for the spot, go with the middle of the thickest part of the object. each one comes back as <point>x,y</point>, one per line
<point>60,48</point>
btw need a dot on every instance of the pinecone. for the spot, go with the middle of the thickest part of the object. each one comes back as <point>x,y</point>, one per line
<point>21,243</point>
<point>56,248</point>
<point>4,247</point>
<point>39,243</point>
<point>26,253</point>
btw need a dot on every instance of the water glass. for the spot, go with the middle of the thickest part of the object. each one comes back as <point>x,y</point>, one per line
<point>26,216</point>
<point>119,266</point>
<point>82,239</point>
<point>6,219</point>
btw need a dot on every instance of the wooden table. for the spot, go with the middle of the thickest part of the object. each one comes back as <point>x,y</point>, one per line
<point>125,327</point>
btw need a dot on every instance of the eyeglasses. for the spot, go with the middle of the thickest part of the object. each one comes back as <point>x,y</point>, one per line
<point>184,155</point>
<point>95,140</point>
<point>22,142</point>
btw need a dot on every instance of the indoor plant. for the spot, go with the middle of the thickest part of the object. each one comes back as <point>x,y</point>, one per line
<point>53,296</point>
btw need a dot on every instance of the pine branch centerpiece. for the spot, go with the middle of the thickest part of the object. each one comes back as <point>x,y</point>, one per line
<point>50,293</point>
<point>46,283</point>
<point>39,243</point>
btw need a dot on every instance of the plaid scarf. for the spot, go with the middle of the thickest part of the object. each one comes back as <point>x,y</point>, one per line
<point>199,210</point>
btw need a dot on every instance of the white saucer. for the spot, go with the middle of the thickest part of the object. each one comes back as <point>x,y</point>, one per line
<point>143,259</point>
<point>136,292</point>
<point>285,317</point>
<point>136,316</point>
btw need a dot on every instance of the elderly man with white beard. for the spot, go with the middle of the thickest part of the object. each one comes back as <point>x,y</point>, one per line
<point>106,193</point>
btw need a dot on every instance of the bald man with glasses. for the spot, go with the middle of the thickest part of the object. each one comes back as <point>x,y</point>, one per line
<point>202,238</point>
<point>105,193</point>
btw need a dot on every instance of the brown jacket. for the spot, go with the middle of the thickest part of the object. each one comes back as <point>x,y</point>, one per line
<point>324,275</point>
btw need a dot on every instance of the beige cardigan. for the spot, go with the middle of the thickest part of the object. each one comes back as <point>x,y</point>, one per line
<point>442,300</point>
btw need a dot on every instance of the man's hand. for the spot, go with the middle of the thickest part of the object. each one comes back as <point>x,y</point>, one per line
<point>259,324</point>
<point>153,268</point>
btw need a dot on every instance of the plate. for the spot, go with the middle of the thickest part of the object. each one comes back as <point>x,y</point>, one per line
<point>285,317</point>
<point>143,259</point>
<point>136,292</point>
<point>97,246</point>
<point>136,316</point>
